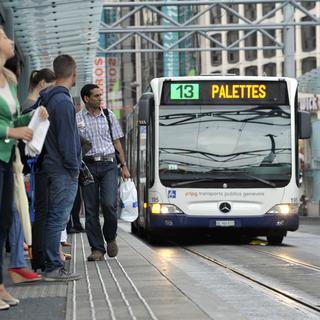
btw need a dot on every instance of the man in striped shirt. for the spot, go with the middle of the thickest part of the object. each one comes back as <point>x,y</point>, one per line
<point>101,161</point>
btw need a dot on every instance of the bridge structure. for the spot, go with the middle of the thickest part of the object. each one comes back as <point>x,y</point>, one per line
<point>158,20</point>
<point>44,29</point>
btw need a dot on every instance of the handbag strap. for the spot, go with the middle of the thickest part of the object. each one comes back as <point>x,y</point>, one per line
<point>106,113</point>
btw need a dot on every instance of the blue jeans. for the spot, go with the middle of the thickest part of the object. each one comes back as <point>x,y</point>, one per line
<point>16,240</point>
<point>62,191</point>
<point>102,192</point>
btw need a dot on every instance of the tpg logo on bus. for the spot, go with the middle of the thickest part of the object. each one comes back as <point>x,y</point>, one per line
<point>172,194</point>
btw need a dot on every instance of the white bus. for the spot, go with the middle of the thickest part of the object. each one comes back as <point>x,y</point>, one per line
<point>217,153</point>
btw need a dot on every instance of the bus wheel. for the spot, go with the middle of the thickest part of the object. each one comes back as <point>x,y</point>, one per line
<point>137,230</point>
<point>275,239</point>
<point>134,228</point>
<point>152,237</point>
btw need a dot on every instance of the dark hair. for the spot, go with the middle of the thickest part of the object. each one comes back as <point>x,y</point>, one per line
<point>13,64</point>
<point>63,66</point>
<point>86,90</point>
<point>37,75</point>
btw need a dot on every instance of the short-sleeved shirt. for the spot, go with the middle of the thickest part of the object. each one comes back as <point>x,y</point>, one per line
<point>96,130</point>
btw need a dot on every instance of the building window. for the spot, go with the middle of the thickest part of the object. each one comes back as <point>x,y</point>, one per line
<point>216,56</point>
<point>234,71</point>
<point>308,64</point>
<point>250,11</point>
<point>251,41</point>
<point>233,55</point>
<point>231,18</point>
<point>267,42</point>
<point>267,7</point>
<point>251,71</point>
<point>308,5</point>
<point>215,15</point>
<point>270,69</point>
<point>308,36</point>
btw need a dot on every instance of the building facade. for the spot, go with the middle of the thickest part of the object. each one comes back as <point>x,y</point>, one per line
<point>260,61</point>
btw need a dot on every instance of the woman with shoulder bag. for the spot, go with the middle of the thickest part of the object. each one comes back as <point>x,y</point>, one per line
<point>12,127</point>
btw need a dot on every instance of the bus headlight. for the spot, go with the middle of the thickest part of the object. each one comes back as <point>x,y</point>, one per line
<point>163,208</point>
<point>284,209</point>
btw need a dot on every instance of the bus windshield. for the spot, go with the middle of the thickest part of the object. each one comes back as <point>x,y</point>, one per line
<point>235,146</point>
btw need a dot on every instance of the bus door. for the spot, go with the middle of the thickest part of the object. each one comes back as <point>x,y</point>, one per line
<point>142,170</point>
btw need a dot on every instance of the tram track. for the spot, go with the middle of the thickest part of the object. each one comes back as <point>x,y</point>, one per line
<point>287,296</point>
<point>232,275</point>
<point>288,259</point>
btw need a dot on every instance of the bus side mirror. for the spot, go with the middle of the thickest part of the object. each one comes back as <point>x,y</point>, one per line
<point>304,125</point>
<point>146,104</point>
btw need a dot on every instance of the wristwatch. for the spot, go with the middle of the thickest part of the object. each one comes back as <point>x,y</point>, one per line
<point>124,164</point>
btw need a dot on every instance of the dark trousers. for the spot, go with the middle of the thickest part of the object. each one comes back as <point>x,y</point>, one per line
<point>6,201</point>
<point>3,237</point>
<point>102,192</point>
<point>74,221</point>
<point>38,227</point>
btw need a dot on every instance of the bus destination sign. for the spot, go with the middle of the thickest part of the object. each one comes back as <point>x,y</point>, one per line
<point>225,92</point>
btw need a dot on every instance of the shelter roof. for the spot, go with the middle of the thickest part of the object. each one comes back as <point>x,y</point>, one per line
<point>44,29</point>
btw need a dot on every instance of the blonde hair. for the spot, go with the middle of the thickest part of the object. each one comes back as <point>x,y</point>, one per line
<point>9,75</point>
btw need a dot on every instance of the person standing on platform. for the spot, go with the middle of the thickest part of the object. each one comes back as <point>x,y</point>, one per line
<point>39,80</point>
<point>102,163</point>
<point>61,164</point>
<point>74,224</point>
<point>12,127</point>
<point>18,267</point>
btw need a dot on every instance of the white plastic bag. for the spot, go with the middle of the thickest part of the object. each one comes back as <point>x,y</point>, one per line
<point>129,201</point>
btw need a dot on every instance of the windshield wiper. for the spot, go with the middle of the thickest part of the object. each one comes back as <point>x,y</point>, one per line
<point>269,183</point>
<point>236,173</point>
<point>182,183</point>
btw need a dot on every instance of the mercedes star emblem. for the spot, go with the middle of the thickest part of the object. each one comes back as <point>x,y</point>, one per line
<point>225,207</point>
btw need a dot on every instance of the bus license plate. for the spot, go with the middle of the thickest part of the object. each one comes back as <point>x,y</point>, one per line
<point>225,223</point>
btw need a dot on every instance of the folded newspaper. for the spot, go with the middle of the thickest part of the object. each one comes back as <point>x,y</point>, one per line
<point>40,129</point>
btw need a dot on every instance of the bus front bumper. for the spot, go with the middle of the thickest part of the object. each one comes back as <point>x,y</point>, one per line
<point>265,222</point>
